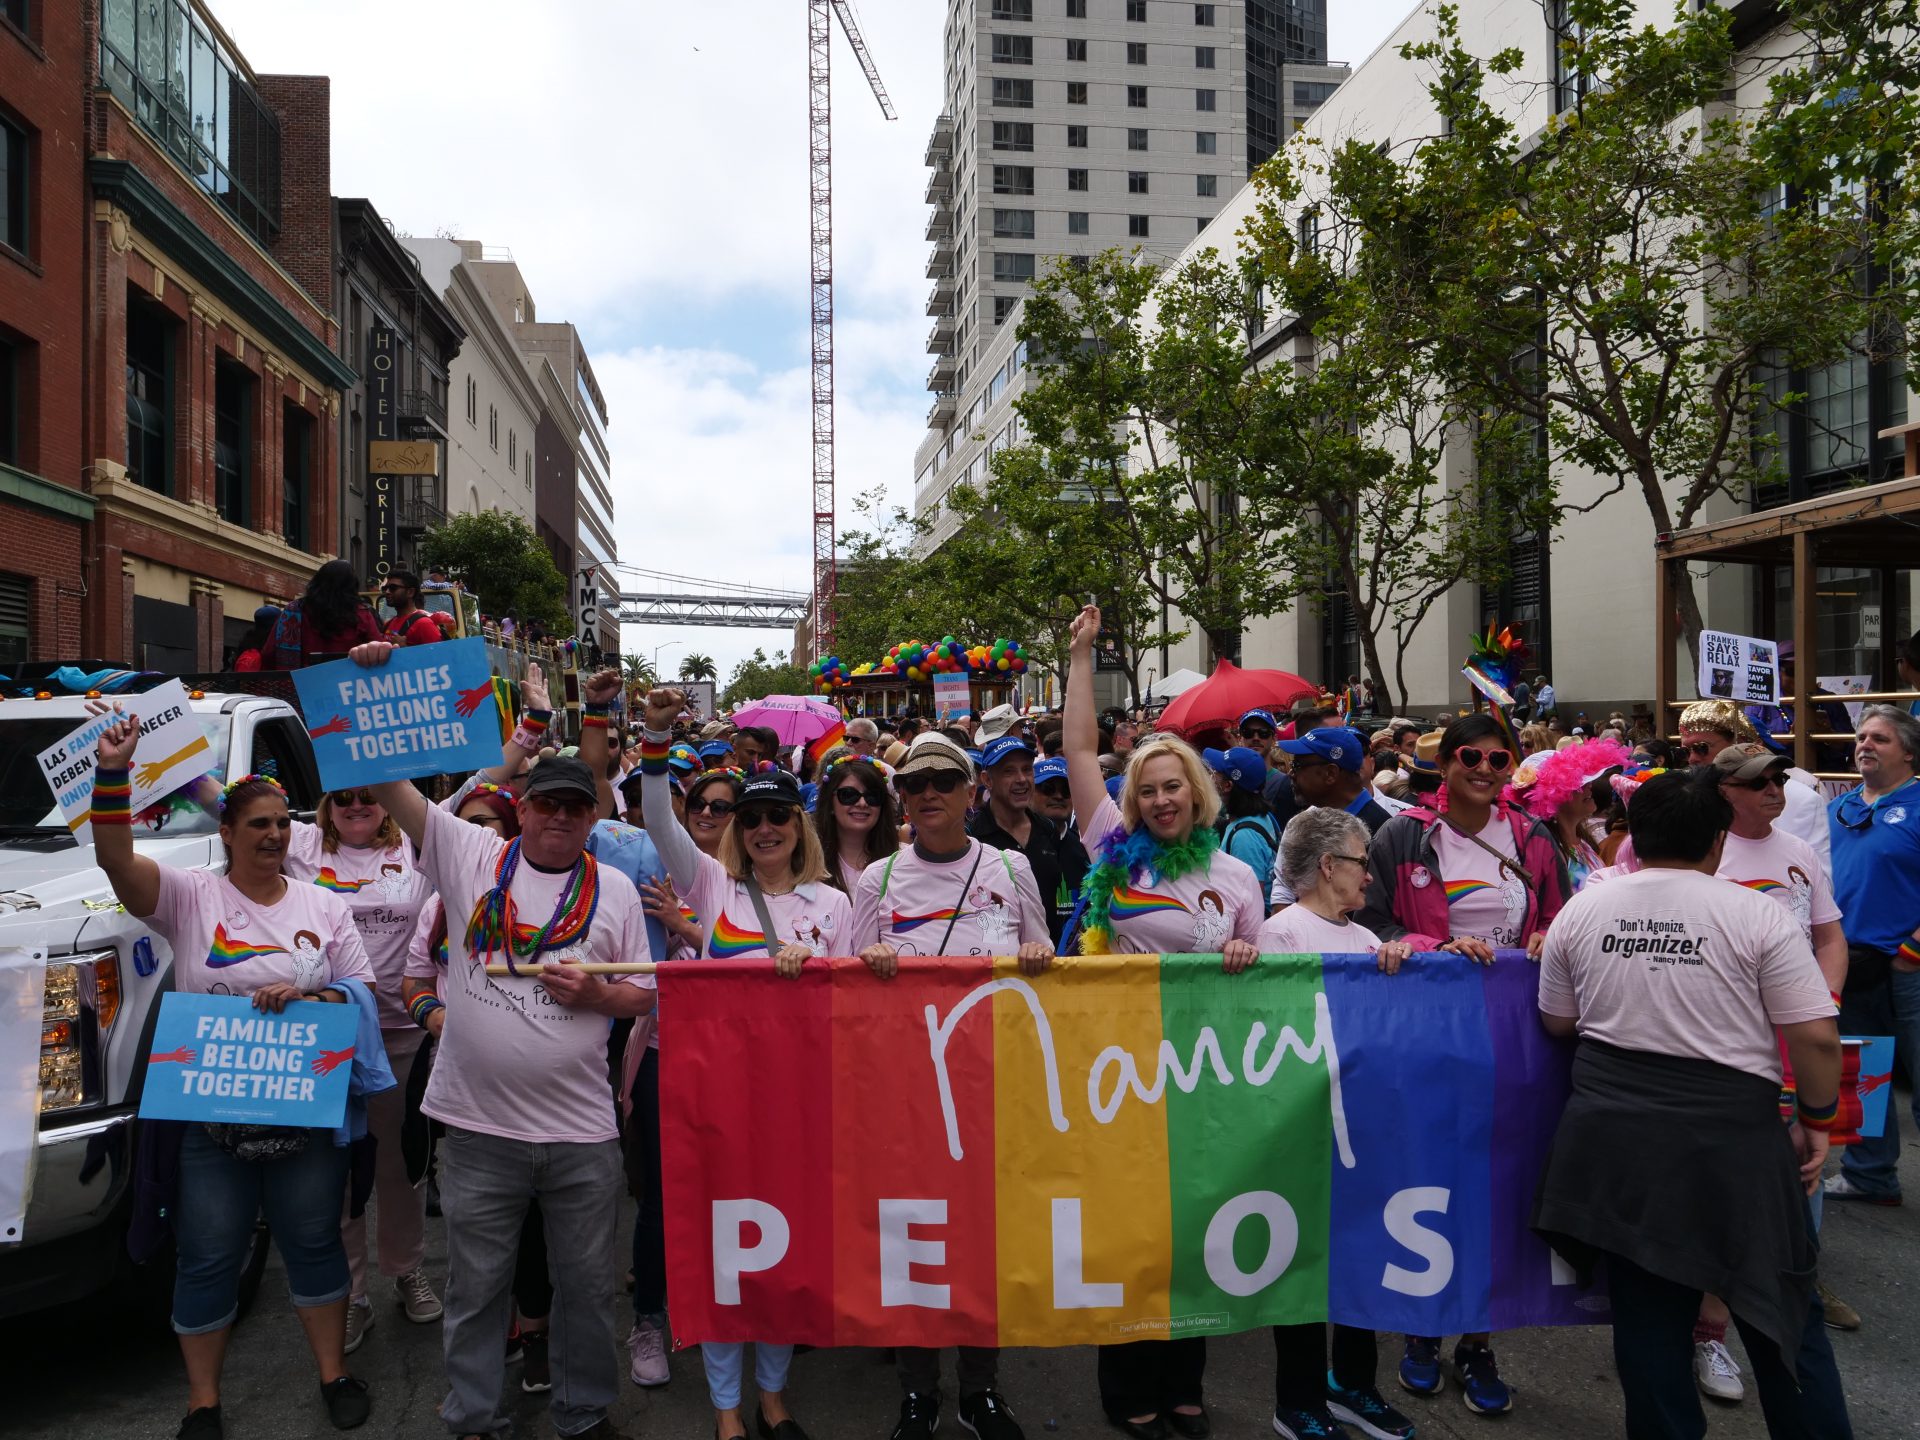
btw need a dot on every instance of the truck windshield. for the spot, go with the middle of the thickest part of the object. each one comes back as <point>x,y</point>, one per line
<point>26,801</point>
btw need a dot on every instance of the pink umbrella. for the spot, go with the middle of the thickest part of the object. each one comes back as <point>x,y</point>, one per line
<point>796,719</point>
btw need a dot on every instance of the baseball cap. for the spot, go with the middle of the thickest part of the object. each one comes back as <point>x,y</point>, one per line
<point>1242,766</point>
<point>712,750</point>
<point>771,787</point>
<point>933,751</point>
<point>683,757</point>
<point>1000,748</point>
<point>560,775</point>
<point>1052,768</point>
<point>1265,717</point>
<point>1346,748</point>
<point>1747,761</point>
<point>266,613</point>
<point>997,721</point>
<point>1113,786</point>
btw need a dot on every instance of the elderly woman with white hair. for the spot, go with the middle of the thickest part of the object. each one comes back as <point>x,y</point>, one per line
<point>1323,858</point>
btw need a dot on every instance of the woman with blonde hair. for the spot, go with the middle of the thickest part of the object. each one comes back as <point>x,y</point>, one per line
<point>1160,884</point>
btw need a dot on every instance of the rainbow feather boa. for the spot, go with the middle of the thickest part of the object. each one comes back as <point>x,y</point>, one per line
<point>1124,852</point>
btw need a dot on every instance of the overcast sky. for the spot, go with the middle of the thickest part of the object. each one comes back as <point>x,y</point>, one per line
<point>647,166</point>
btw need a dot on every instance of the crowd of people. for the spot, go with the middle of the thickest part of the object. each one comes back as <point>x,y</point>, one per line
<point>1705,1082</point>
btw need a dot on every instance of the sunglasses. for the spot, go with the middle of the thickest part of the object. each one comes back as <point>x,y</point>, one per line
<point>1056,789</point>
<point>492,822</point>
<point>945,782</point>
<point>1764,782</point>
<point>1257,735</point>
<point>1471,756</point>
<point>1359,860</point>
<point>854,795</point>
<point>553,805</point>
<point>1700,749</point>
<point>778,816</point>
<point>720,809</point>
<point>352,797</point>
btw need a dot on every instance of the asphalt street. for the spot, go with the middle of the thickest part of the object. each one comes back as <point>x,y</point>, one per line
<point>93,1371</point>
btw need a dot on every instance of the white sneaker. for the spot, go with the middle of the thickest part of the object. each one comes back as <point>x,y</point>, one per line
<point>647,1355</point>
<point>1715,1372</point>
<point>416,1297</point>
<point>359,1321</point>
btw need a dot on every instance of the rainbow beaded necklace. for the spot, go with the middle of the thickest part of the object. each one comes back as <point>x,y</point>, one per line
<point>495,925</point>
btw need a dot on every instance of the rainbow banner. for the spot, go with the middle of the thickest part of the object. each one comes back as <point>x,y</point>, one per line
<point>1127,1147</point>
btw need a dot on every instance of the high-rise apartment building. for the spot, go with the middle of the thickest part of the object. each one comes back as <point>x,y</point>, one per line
<point>1073,127</point>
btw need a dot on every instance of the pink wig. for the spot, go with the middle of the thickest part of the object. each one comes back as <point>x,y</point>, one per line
<point>1562,774</point>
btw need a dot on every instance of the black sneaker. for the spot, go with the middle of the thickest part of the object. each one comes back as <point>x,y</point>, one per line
<point>536,1375</point>
<point>347,1402</point>
<point>603,1429</point>
<point>201,1424</point>
<point>989,1416</point>
<point>919,1417</point>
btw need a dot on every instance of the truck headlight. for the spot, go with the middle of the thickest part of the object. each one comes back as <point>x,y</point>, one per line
<point>82,999</point>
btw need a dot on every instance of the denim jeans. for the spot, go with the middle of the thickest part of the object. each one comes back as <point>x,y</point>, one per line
<point>726,1362</point>
<point>221,1197</point>
<point>487,1184</point>
<point>1890,1006</point>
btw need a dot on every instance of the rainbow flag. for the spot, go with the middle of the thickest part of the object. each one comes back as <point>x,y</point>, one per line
<point>1126,1147</point>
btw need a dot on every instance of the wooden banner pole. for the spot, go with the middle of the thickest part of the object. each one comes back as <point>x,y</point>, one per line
<point>532,967</point>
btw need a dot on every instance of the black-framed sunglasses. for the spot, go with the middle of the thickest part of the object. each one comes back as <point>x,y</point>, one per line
<point>945,782</point>
<point>1471,756</point>
<point>352,797</point>
<point>1359,860</point>
<point>854,795</point>
<point>1773,781</point>
<point>778,816</point>
<point>1701,749</point>
<point>1853,812</point>
<point>1055,789</point>
<point>719,809</point>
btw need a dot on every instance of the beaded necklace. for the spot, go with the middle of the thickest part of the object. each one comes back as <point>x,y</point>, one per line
<point>496,926</point>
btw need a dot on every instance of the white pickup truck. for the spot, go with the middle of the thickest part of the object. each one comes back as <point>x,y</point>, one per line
<point>105,973</point>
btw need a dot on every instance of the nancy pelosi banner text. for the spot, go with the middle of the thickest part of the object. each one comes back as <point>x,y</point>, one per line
<point>1127,1147</point>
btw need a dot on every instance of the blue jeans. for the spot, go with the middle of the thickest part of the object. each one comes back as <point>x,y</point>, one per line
<point>726,1362</point>
<point>221,1197</point>
<point>1890,1006</point>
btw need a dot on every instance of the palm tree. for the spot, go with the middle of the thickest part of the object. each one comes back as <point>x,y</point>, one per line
<point>639,672</point>
<point>697,667</point>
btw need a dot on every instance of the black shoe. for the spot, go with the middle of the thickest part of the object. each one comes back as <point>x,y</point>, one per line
<point>919,1417</point>
<point>347,1402</point>
<point>1194,1427</point>
<point>788,1429</point>
<point>536,1375</point>
<point>1154,1429</point>
<point>601,1429</point>
<point>201,1424</point>
<point>989,1416</point>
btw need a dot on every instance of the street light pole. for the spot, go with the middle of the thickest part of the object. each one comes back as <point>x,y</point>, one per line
<point>664,644</point>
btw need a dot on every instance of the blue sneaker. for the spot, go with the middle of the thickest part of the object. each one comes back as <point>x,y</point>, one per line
<point>1364,1408</point>
<point>1420,1372</point>
<point>1480,1383</point>
<point>1315,1424</point>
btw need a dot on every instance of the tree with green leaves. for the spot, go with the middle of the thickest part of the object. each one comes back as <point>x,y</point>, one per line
<point>501,560</point>
<point>1628,278</point>
<point>757,677</point>
<point>694,666</point>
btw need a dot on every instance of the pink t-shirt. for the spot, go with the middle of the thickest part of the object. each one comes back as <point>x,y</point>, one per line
<point>1296,930</point>
<point>907,902</point>
<point>1680,963</point>
<point>817,916</point>
<point>385,891</point>
<point>512,1062</point>
<point>225,944</point>
<point>1784,867</point>
<point>1485,900</point>
<point>1194,915</point>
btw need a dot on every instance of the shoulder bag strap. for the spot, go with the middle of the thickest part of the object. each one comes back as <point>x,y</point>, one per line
<point>1507,862</point>
<point>760,909</point>
<point>960,903</point>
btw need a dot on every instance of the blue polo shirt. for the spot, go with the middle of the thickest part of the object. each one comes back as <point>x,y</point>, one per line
<point>1876,865</point>
<point>629,849</point>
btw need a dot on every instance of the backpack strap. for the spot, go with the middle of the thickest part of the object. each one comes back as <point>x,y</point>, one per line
<point>886,875</point>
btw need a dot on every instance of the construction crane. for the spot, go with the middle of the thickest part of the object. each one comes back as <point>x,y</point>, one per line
<point>820,203</point>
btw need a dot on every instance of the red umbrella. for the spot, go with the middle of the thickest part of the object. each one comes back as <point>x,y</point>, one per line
<point>1223,697</point>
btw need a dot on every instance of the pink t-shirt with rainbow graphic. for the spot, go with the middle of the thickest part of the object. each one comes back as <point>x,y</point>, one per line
<point>1194,915</point>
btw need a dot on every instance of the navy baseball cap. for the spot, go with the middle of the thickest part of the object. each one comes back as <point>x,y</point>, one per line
<point>1242,766</point>
<point>1265,717</point>
<point>771,787</point>
<point>713,749</point>
<point>999,748</point>
<point>1346,748</point>
<point>1053,768</point>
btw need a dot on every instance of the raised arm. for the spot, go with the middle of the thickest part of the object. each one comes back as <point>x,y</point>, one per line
<point>134,877</point>
<point>597,694</point>
<point>677,851</point>
<point>1080,726</point>
<point>536,714</point>
<point>402,801</point>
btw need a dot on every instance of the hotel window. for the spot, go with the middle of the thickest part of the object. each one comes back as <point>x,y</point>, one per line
<point>513,449</point>
<point>1206,186</point>
<point>149,396</point>
<point>1076,92</point>
<point>473,402</point>
<point>1137,97</point>
<point>1206,142</point>
<point>1136,182</point>
<point>232,442</point>
<point>1076,180</point>
<point>1076,137</point>
<point>15,158</point>
<point>1013,9</point>
<point>1013,224</point>
<point>1014,94</point>
<point>12,364</point>
<point>1203,14</point>
<point>1013,179</point>
<point>1203,57</point>
<point>1203,99</point>
<point>16,621</point>
<point>1077,50</point>
<point>1076,9</point>
<point>296,470</point>
<point>1012,135</point>
<point>1136,139</point>
<point>1136,52</point>
<point>1013,50</point>
<point>1137,226</point>
<point>1003,307</point>
<point>1077,222</point>
<point>1136,10</point>
<point>1012,267</point>
<point>493,426</point>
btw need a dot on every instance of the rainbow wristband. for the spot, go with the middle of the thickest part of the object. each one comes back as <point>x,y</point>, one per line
<point>653,754</point>
<point>424,1004</point>
<point>595,717</point>
<point>112,797</point>
<point>532,729</point>
<point>1908,951</point>
<point>1819,1117</point>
